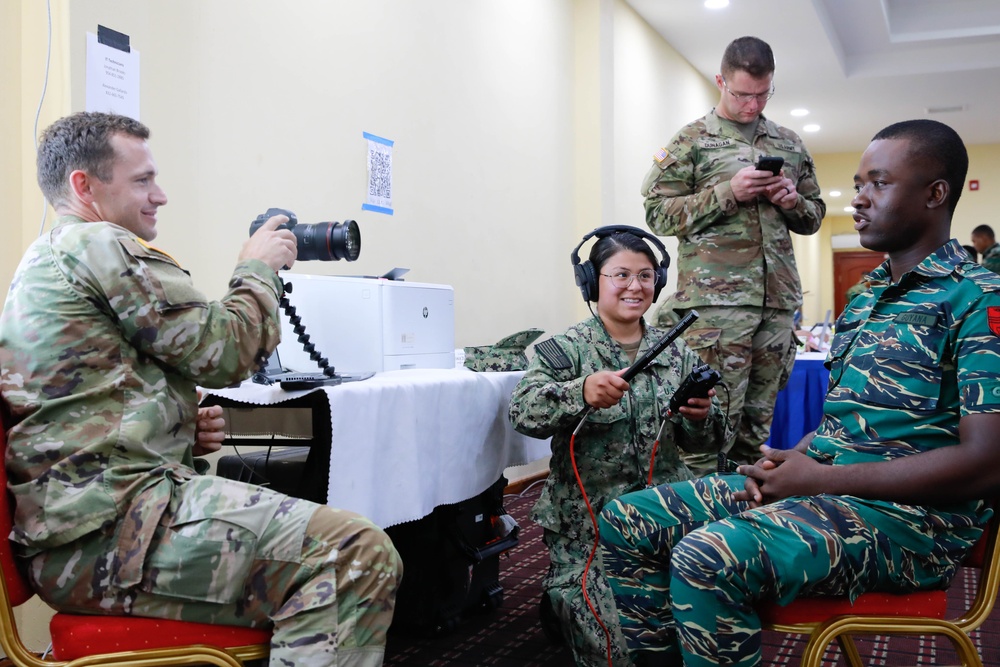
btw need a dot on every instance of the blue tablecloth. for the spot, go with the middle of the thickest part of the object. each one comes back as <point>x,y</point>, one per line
<point>799,406</point>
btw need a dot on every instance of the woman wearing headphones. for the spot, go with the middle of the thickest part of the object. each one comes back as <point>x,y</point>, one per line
<point>609,436</point>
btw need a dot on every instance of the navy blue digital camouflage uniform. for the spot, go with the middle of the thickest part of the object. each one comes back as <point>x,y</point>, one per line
<point>613,452</point>
<point>687,563</point>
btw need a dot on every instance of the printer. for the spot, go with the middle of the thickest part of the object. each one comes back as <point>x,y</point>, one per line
<point>365,324</point>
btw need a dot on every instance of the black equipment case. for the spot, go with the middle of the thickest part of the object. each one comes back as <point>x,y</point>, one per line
<point>451,561</point>
<point>451,557</point>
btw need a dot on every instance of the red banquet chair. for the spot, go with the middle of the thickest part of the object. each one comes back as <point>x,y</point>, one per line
<point>921,613</point>
<point>112,640</point>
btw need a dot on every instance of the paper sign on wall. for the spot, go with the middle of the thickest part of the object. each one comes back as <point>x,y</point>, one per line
<point>112,74</point>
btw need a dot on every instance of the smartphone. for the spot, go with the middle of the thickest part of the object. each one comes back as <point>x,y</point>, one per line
<point>769,163</point>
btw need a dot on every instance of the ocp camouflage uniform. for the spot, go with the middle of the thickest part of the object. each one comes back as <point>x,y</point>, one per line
<point>991,258</point>
<point>613,452</point>
<point>103,340</point>
<point>907,361</point>
<point>735,263</point>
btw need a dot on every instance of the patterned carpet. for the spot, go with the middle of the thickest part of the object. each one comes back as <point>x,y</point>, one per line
<point>510,636</point>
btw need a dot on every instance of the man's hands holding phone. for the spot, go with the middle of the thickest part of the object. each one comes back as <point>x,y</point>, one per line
<point>765,179</point>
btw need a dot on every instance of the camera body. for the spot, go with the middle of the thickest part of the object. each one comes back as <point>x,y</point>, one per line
<point>325,241</point>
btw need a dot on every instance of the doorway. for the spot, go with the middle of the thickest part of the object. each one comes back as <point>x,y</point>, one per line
<point>848,268</point>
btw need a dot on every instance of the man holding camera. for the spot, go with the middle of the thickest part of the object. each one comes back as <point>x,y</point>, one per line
<point>732,212</point>
<point>103,341</point>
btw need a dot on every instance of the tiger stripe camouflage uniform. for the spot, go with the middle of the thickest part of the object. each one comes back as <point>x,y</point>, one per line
<point>907,361</point>
<point>612,452</point>
<point>991,258</point>
<point>102,341</point>
<point>735,263</point>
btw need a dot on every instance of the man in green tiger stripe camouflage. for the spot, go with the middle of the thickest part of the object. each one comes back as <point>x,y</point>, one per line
<point>890,492</point>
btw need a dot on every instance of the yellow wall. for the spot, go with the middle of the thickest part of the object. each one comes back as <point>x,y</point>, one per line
<point>16,186</point>
<point>10,137</point>
<point>836,170</point>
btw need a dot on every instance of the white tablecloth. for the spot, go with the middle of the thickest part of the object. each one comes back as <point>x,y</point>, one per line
<point>404,442</point>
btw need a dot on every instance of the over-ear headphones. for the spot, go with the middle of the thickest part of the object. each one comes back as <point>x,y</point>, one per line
<point>586,274</point>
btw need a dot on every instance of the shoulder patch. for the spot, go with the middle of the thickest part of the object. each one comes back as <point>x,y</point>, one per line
<point>140,249</point>
<point>993,318</point>
<point>661,155</point>
<point>553,354</point>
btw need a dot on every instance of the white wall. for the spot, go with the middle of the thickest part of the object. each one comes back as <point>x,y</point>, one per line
<point>255,104</point>
<point>656,92</point>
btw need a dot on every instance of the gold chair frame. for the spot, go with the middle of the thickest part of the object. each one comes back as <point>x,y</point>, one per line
<point>842,628</point>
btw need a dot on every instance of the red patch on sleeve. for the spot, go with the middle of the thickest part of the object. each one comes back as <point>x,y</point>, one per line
<point>993,317</point>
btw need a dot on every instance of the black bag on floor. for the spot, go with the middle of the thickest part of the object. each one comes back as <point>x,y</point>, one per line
<point>451,562</point>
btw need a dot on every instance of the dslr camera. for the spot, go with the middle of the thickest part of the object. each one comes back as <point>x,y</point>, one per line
<point>325,241</point>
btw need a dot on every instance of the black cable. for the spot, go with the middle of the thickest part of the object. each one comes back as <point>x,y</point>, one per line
<point>299,329</point>
<point>303,337</point>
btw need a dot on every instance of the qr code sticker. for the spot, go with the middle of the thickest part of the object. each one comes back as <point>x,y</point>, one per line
<point>379,175</point>
<point>380,183</point>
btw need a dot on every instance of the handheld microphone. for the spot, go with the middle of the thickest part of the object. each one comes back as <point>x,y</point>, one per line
<point>657,348</point>
<point>660,345</point>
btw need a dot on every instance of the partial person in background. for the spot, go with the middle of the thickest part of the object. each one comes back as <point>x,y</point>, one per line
<point>732,220</point>
<point>892,489</point>
<point>973,253</point>
<point>615,450</point>
<point>986,244</point>
<point>855,289</point>
<point>104,340</point>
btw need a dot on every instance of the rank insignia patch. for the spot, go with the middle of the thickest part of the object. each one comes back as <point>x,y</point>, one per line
<point>993,317</point>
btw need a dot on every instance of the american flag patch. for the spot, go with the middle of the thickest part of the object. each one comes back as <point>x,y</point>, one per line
<point>661,155</point>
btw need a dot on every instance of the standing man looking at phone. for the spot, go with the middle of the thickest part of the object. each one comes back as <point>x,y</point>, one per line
<point>732,213</point>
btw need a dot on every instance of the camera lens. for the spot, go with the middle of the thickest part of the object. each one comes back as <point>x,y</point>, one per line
<point>328,241</point>
<point>325,241</point>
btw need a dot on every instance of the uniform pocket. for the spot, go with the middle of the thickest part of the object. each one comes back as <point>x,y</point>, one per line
<point>898,378</point>
<point>207,560</point>
<point>906,372</point>
<point>207,548</point>
<point>706,343</point>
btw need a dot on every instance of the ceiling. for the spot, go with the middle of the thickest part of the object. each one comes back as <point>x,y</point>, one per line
<point>856,65</point>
